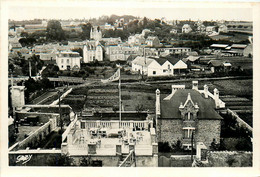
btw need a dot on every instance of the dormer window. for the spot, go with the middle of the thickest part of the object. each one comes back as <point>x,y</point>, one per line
<point>189,109</point>
<point>189,116</point>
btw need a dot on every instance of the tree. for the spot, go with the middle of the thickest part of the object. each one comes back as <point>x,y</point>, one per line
<point>50,71</point>
<point>86,28</point>
<point>24,34</point>
<point>79,50</point>
<point>55,31</point>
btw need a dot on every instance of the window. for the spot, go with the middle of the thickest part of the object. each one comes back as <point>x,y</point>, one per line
<point>188,132</point>
<point>188,116</point>
<point>154,72</point>
<point>61,60</point>
<point>164,70</point>
<point>68,61</point>
<point>169,67</point>
<point>83,125</point>
<point>61,66</point>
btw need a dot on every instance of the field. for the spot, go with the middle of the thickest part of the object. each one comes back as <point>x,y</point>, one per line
<point>142,95</point>
<point>243,62</point>
<point>234,37</point>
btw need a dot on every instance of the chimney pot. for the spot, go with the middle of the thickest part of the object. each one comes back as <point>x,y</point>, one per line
<point>195,85</point>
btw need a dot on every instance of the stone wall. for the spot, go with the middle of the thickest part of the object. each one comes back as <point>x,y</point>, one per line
<point>43,117</point>
<point>147,161</point>
<point>169,130</point>
<point>207,130</point>
<point>230,159</point>
<point>107,161</point>
<point>37,136</point>
<point>180,161</point>
<point>33,158</point>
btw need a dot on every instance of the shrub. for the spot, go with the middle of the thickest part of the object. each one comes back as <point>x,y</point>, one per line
<point>164,147</point>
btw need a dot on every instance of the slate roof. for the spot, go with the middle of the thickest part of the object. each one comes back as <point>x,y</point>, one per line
<point>219,45</point>
<point>191,58</point>
<point>162,60</point>
<point>239,46</point>
<point>141,61</point>
<point>170,108</point>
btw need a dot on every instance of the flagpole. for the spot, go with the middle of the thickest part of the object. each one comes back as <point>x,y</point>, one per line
<point>120,107</point>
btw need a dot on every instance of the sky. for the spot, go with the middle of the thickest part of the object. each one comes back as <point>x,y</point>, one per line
<point>67,11</point>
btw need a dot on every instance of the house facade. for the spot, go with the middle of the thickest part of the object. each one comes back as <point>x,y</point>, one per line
<point>152,41</point>
<point>188,114</point>
<point>68,60</point>
<point>115,52</point>
<point>92,51</point>
<point>158,66</point>
<point>186,28</point>
<point>166,67</point>
<point>140,64</point>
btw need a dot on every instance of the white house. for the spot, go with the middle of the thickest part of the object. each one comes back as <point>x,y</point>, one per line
<point>92,51</point>
<point>136,39</point>
<point>158,66</point>
<point>223,28</point>
<point>115,52</point>
<point>166,67</point>
<point>68,60</point>
<point>152,41</point>
<point>139,64</point>
<point>186,28</point>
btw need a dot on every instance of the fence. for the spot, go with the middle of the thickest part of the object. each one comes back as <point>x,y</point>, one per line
<point>115,124</point>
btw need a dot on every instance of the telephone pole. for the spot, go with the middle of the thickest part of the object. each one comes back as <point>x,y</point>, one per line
<point>61,121</point>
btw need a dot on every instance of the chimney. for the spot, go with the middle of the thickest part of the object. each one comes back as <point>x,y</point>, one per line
<point>177,87</point>
<point>195,85</point>
<point>206,89</point>
<point>216,97</point>
<point>157,104</point>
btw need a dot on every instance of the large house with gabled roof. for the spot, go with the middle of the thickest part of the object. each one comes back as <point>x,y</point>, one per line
<point>163,66</point>
<point>188,111</point>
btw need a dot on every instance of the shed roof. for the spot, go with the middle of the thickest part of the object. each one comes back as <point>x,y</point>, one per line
<point>240,46</point>
<point>219,45</point>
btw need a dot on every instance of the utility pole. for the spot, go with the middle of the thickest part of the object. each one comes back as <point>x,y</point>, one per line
<point>61,121</point>
<point>191,146</point>
<point>119,88</point>
<point>30,69</point>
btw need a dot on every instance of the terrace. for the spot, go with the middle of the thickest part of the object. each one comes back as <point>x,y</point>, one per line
<point>105,138</point>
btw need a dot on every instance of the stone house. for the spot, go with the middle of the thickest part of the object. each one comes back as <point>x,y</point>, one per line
<point>152,41</point>
<point>188,111</point>
<point>92,51</point>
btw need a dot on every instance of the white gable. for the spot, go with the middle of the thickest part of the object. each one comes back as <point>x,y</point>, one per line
<point>180,65</point>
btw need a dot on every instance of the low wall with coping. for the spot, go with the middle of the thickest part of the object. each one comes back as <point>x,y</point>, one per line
<point>43,117</point>
<point>62,96</point>
<point>37,157</point>
<point>239,120</point>
<point>36,136</point>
